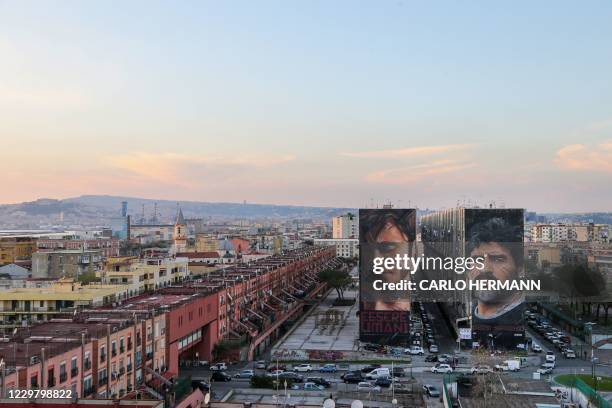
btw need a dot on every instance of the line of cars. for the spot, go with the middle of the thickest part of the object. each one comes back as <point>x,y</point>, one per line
<point>556,337</point>
<point>374,377</point>
<point>421,331</point>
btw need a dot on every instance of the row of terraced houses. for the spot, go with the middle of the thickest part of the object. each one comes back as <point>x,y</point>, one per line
<point>136,346</point>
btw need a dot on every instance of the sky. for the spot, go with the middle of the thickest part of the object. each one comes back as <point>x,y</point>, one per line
<point>325,103</point>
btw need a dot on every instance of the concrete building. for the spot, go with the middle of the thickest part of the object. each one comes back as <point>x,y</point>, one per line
<point>24,306</point>
<point>345,248</point>
<point>345,226</point>
<point>108,246</point>
<point>70,263</point>
<point>14,249</point>
<point>147,274</point>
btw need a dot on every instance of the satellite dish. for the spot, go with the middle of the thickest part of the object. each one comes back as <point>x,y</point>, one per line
<point>357,404</point>
<point>329,403</point>
<point>394,401</point>
<point>207,398</point>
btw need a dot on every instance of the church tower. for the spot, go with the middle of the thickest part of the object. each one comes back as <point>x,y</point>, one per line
<point>180,233</point>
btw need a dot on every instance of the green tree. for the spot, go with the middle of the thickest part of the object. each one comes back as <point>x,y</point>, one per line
<point>337,279</point>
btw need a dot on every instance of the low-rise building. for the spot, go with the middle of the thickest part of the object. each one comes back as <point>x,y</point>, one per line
<point>345,248</point>
<point>69,263</point>
<point>24,306</point>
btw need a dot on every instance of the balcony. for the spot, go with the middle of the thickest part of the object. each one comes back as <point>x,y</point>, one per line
<point>150,355</point>
<point>73,372</point>
<point>89,391</point>
<point>114,353</point>
<point>102,357</point>
<point>63,377</point>
<point>87,364</point>
<point>103,381</point>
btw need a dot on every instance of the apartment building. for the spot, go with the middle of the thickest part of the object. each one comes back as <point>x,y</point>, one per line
<point>69,263</point>
<point>108,246</point>
<point>345,248</point>
<point>15,249</point>
<point>345,226</point>
<point>144,274</point>
<point>25,306</point>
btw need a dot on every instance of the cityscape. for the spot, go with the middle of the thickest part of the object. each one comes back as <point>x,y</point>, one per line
<point>274,204</point>
<point>185,311</point>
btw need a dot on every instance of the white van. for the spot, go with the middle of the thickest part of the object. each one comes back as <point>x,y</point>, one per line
<point>378,373</point>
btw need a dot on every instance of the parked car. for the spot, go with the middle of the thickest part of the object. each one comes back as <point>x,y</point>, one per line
<point>370,367</point>
<point>220,376</point>
<point>367,387</point>
<point>431,390</point>
<point>328,368</point>
<point>218,367</point>
<point>274,367</point>
<point>319,381</point>
<point>415,350</point>
<point>275,373</point>
<point>548,365</point>
<point>544,370</point>
<point>398,372</point>
<point>433,348</point>
<point>442,368</point>
<point>261,365</point>
<point>302,368</point>
<point>444,358</point>
<point>290,375</point>
<point>310,386</point>
<point>245,374</point>
<point>550,356</point>
<point>570,353</point>
<point>352,378</point>
<point>384,382</point>
<point>481,369</point>
<point>431,359</point>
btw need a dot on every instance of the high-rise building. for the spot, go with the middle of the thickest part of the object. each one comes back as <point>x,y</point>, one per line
<point>345,226</point>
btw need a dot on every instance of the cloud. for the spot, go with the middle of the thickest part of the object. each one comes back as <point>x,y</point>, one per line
<point>418,172</point>
<point>191,170</point>
<point>408,152</point>
<point>579,157</point>
<point>600,126</point>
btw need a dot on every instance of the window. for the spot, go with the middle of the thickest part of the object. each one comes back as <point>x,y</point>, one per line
<point>102,354</point>
<point>34,381</point>
<point>51,378</point>
<point>114,348</point>
<point>73,367</point>
<point>121,349</point>
<point>63,374</point>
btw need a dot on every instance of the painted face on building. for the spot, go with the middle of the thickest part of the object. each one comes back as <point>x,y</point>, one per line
<point>498,265</point>
<point>391,241</point>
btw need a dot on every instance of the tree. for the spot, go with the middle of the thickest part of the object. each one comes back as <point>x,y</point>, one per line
<point>337,279</point>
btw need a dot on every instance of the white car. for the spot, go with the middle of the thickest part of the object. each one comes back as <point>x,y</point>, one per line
<point>442,368</point>
<point>481,369</point>
<point>550,357</point>
<point>433,348</point>
<point>415,350</point>
<point>535,347</point>
<point>275,373</point>
<point>302,368</point>
<point>570,354</point>
<point>367,387</point>
<point>218,367</point>
<point>261,365</point>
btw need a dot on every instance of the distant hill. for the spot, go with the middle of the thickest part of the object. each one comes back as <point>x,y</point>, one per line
<point>91,210</point>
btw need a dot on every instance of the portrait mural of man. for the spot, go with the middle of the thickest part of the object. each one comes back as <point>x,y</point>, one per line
<point>497,314</point>
<point>386,233</point>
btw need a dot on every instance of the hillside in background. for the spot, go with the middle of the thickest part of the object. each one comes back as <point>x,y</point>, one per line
<point>98,210</point>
